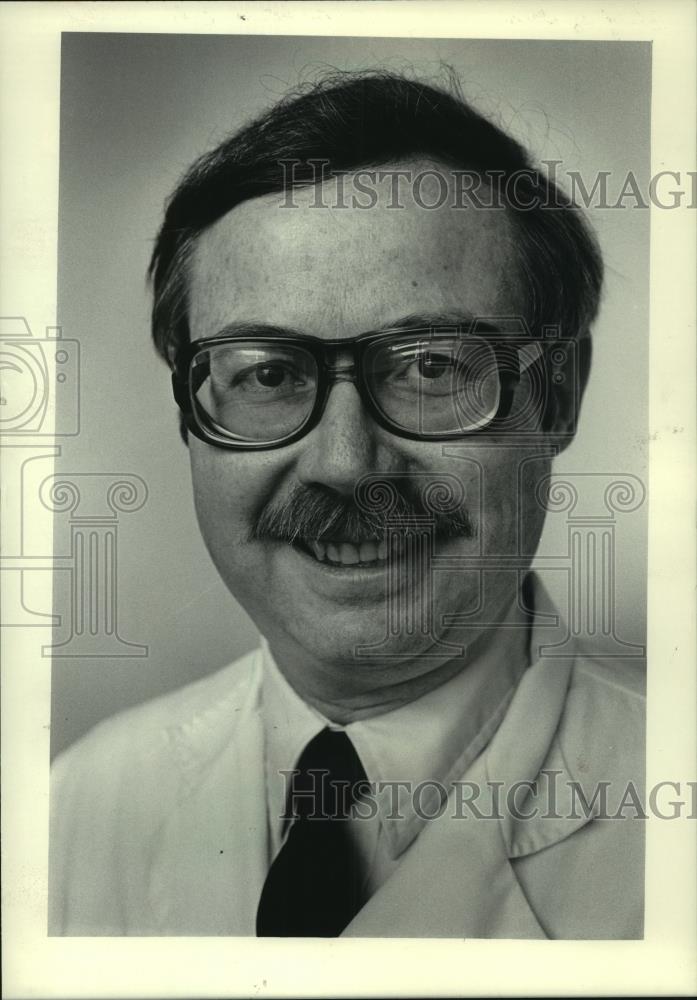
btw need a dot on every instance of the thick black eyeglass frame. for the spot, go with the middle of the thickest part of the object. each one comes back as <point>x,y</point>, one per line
<point>199,424</point>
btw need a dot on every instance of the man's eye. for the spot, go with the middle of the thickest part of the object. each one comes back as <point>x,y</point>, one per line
<point>268,375</point>
<point>433,366</point>
<point>426,368</point>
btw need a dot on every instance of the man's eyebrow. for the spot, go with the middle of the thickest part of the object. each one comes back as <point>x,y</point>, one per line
<point>413,321</point>
<point>457,317</point>
<point>242,328</point>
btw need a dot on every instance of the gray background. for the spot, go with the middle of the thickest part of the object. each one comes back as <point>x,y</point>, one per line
<point>135,111</point>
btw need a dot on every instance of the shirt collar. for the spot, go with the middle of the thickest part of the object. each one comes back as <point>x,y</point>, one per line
<point>428,742</point>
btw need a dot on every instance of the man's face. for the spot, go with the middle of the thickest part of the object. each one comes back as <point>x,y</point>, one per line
<point>334,273</point>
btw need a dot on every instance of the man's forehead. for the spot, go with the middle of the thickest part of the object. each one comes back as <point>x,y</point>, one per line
<point>316,259</point>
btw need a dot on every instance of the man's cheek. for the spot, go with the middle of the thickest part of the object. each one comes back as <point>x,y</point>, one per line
<point>226,496</point>
<point>498,525</point>
<point>510,518</point>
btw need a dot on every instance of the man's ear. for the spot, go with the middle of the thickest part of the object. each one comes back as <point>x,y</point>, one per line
<point>567,371</point>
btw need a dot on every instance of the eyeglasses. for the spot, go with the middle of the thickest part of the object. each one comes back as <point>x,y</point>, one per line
<point>262,392</point>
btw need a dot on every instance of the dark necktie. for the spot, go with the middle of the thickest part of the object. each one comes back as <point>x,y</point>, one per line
<point>313,886</point>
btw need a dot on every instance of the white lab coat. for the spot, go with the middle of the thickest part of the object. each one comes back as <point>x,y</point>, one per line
<point>159,819</point>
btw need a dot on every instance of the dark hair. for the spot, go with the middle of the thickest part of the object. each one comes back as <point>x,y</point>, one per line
<point>372,119</point>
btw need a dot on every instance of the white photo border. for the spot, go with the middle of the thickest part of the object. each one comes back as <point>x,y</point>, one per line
<point>665,962</point>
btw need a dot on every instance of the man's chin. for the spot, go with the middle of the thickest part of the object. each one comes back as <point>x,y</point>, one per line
<point>381,610</point>
<point>355,640</point>
<point>362,634</point>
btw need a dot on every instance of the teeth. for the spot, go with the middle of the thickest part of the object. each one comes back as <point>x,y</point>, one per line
<point>368,552</point>
<point>348,554</point>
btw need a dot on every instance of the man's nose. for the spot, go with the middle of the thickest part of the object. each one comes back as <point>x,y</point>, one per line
<point>343,446</point>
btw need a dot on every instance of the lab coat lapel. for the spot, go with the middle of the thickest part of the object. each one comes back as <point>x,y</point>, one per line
<point>211,855</point>
<point>456,879</point>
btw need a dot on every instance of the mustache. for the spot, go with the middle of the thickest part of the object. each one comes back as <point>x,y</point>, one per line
<point>311,513</point>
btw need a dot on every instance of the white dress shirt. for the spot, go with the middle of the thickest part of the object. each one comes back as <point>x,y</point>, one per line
<point>428,743</point>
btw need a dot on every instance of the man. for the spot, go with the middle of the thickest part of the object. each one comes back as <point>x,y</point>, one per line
<point>378,322</point>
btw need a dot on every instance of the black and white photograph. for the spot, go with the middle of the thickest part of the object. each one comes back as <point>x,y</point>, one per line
<point>344,522</point>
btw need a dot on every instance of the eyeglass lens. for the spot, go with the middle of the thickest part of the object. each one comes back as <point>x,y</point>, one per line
<point>255,391</point>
